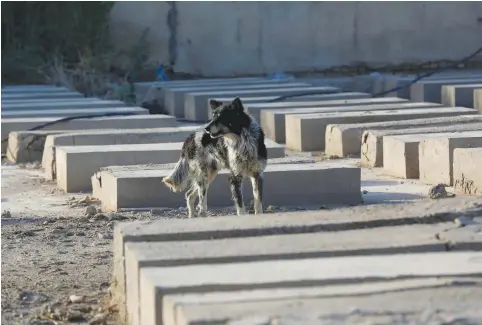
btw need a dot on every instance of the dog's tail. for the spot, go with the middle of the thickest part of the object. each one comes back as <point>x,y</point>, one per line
<point>178,179</point>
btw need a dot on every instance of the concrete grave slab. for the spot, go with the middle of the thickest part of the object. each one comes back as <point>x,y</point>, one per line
<point>404,82</point>
<point>30,101</point>
<point>174,97</point>
<point>158,282</point>
<point>255,108</point>
<point>163,230</point>
<point>40,95</point>
<point>110,137</point>
<point>401,154</point>
<point>151,90</point>
<point>97,189</point>
<point>459,95</point>
<point>33,89</point>
<point>368,83</point>
<point>307,132</point>
<point>372,141</point>
<point>266,99</point>
<point>467,177</point>
<point>27,146</point>
<point>196,104</point>
<point>75,165</point>
<point>148,90</point>
<point>387,302</point>
<point>274,121</point>
<point>478,100</point>
<point>436,155</point>
<point>114,122</point>
<point>404,239</point>
<point>143,188</point>
<point>72,112</point>
<point>431,90</point>
<point>43,105</point>
<point>342,140</point>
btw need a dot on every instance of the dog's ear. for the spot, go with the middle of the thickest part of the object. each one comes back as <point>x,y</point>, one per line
<point>237,105</point>
<point>215,104</point>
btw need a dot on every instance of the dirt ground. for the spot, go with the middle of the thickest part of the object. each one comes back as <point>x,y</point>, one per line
<point>52,253</point>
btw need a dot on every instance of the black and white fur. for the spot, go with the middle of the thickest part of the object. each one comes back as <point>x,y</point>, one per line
<point>232,140</point>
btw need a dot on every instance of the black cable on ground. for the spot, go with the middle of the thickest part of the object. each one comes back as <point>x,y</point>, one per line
<point>70,118</point>
<point>420,77</point>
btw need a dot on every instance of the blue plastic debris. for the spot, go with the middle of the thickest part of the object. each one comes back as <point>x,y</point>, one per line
<point>161,74</point>
<point>280,76</point>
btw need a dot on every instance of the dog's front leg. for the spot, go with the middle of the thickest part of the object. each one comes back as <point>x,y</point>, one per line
<point>235,185</point>
<point>257,183</point>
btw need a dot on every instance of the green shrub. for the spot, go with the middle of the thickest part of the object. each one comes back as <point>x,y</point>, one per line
<point>68,44</point>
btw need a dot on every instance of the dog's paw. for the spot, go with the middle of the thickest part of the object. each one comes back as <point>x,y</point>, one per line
<point>201,213</point>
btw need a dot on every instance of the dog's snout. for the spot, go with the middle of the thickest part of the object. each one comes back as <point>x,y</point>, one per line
<point>206,129</point>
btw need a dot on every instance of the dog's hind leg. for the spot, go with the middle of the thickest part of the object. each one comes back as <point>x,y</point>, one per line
<point>202,206</point>
<point>235,184</point>
<point>190,198</point>
<point>203,187</point>
<point>257,183</point>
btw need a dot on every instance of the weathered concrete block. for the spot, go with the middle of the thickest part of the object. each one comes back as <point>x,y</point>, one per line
<point>400,154</point>
<point>97,189</point>
<point>390,300</point>
<point>478,100</point>
<point>265,99</point>
<point>196,104</point>
<point>256,108</point>
<point>459,95</point>
<point>40,95</point>
<point>33,89</point>
<point>342,140</point>
<point>75,165</point>
<point>307,132</point>
<point>174,96</point>
<point>18,140</point>
<point>467,177</point>
<point>30,101</point>
<point>109,137</point>
<point>142,188</point>
<point>436,155</point>
<point>158,282</point>
<point>42,105</point>
<point>251,226</point>
<point>372,141</point>
<point>139,255</point>
<point>368,83</point>
<point>73,112</point>
<point>148,90</point>
<point>392,82</point>
<point>274,121</point>
<point>431,90</point>
<point>27,146</point>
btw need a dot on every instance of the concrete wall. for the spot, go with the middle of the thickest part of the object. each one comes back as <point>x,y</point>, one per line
<point>235,38</point>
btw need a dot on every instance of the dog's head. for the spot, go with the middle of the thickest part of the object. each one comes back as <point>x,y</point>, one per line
<point>228,118</point>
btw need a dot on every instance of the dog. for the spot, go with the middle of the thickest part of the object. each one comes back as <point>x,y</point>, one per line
<point>232,140</point>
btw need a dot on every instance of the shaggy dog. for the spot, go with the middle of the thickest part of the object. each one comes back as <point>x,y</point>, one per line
<point>232,140</point>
